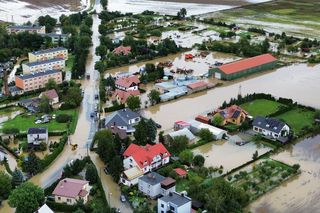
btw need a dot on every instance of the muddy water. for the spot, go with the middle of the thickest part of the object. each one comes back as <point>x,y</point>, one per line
<point>215,154</point>
<point>300,194</point>
<point>299,82</point>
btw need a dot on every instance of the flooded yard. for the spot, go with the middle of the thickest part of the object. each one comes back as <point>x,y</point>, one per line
<point>300,194</point>
<point>10,113</point>
<point>228,154</point>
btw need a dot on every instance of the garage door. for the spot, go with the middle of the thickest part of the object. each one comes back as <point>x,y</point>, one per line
<point>217,75</point>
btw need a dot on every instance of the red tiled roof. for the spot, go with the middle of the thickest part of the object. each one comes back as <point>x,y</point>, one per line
<point>127,81</point>
<point>83,193</point>
<point>124,95</point>
<point>197,85</point>
<point>182,123</point>
<point>203,119</point>
<point>51,94</point>
<point>180,172</point>
<point>69,187</point>
<point>230,111</point>
<point>122,49</point>
<point>247,63</point>
<point>145,154</point>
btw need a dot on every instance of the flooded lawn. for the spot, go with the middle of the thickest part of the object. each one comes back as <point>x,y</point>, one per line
<point>228,154</point>
<point>299,82</point>
<point>300,194</point>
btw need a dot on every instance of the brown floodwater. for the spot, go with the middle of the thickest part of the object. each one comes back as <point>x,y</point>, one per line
<point>299,82</point>
<point>301,193</point>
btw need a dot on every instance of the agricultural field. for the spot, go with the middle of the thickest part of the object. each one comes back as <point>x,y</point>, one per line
<point>296,17</point>
<point>298,119</point>
<point>263,177</point>
<point>261,107</point>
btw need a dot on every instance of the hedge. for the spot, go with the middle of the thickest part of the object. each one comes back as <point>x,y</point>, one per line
<point>60,207</point>
<point>114,108</point>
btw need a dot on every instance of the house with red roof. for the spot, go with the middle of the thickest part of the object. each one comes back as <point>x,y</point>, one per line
<point>122,50</point>
<point>121,96</point>
<point>244,67</point>
<point>52,95</point>
<point>128,83</point>
<point>145,158</point>
<point>180,172</point>
<point>233,114</point>
<point>69,191</point>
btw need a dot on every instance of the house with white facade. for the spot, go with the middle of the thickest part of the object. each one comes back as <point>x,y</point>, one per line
<point>128,83</point>
<point>174,203</point>
<point>271,128</point>
<point>39,66</point>
<point>146,158</point>
<point>69,191</point>
<point>3,154</point>
<point>124,119</point>
<point>36,136</point>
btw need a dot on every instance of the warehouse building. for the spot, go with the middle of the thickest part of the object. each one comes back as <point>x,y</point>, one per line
<point>244,67</point>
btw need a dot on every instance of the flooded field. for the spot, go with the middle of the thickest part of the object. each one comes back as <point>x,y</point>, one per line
<point>299,82</point>
<point>300,194</point>
<point>228,154</point>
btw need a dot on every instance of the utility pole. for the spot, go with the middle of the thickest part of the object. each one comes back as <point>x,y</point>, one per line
<point>239,92</point>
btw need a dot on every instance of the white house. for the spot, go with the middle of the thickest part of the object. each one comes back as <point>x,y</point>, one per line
<point>174,203</point>
<point>44,209</point>
<point>271,128</point>
<point>37,135</point>
<point>124,119</point>
<point>128,83</point>
<point>3,154</point>
<point>196,126</point>
<point>130,177</point>
<point>39,66</point>
<point>146,158</point>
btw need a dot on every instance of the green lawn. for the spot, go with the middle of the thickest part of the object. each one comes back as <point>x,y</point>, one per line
<point>298,118</point>
<point>25,121</point>
<point>261,107</point>
<point>70,61</point>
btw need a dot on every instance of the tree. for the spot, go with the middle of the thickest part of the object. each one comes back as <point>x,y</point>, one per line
<point>133,102</point>
<point>186,156</point>
<point>48,22</point>
<point>105,140</point>
<point>44,105</point>
<point>255,155</point>
<point>205,135</point>
<point>178,144</point>
<point>102,51</point>
<point>5,185</point>
<point>73,97</point>
<point>217,120</point>
<point>151,130</point>
<point>154,96</point>
<point>51,84</point>
<point>91,174</point>
<point>116,166</point>
<point>26,198</point>
<point>110,82</point>
<point>12,130</point>
<point>141,134</point>
<point>17,178</point>
<point>32,164</point>
<point>198,160</point>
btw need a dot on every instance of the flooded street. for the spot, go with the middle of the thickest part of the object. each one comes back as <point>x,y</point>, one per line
<point>301,193</point>
<point>299,82</point>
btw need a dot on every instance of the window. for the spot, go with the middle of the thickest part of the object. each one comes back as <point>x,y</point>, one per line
<point>162,206</point>
<point>59,198</point>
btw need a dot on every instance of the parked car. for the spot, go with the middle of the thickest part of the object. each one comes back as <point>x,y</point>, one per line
<point>241,143</point>
<point>122,198</point>
<point>106,170</point>
<point>158,126</point>
<point>92,114</point>
<point>38,122</point>
<point>96,96</point>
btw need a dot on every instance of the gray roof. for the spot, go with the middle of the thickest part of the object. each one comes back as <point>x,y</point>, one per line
<point>31,64</point>
<point>48,50</point>
<point>269,124</point>
<point>121,117</point>
<point>40,130</point>
<point>14,89</point>
<point>176,198</point>
<point>38,74</point>
<point>182,132</point>
<point>152,178</point>
<point>25,27</point>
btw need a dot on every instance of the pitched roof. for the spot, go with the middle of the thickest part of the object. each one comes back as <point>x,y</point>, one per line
<point>180,172</point>
<point>37,74</point>
<point>152,178</point>
<point>122,49</point>
<point>133,173</point>
<point>51,50</point>
<point>124,95</point>
<point>247,63</point>
<point>144,155</point>
<point>269,124</point>
<point>198,84</point>
<point>36,63</point>
<point>127,81</point>
<point>51,94</point>
<point>182,123</point>
<point>233,111</point>
<point>69,187</point>
<point>183,132</point>
<point>121,117</point>
<point>44,209</point>
<point>39,130</point>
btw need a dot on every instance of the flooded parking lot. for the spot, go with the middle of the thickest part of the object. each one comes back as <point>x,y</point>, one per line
<point>228,154</point>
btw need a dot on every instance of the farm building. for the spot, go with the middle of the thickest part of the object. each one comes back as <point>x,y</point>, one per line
<point>244,67</point>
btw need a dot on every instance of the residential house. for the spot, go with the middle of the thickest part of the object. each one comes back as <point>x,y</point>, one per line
<point>232,115</point>
<point>121,96</point>
<point>69,191</point>
<point>271,128</point>
<point>147,158</point>
<point>52,95</point>
<point>124,119</point>
<point>130,177</point>
<point>196,126</point>
<point>35,136</point>
<point>3,154</point>
<point>26,28</point>
<point>39,66</point>
<point>37,80</point>
<point>122,50</point>
<point>128,83</point>
<point>31,104</point>
<point>174,203</point>
<point>43,55</point>
<point>44,209</point>
<point>13,90</point>
<point>155,185</point>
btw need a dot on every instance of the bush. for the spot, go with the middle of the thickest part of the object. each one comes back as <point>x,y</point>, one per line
<point>63,118</point>
<point>60,207</point>
<point>114,108</point>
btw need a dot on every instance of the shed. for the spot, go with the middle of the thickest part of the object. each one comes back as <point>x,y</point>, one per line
<point>196,126</point>
<point>181,172</point>
<point>183,132</point>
